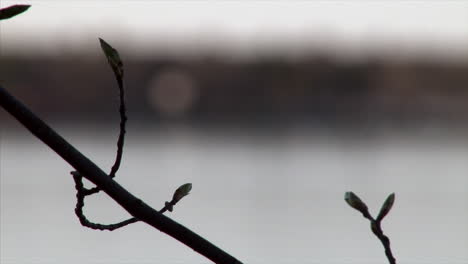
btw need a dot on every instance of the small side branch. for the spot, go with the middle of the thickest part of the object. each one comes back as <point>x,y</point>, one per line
<point>81,193</point>
<point>355,202</point>
<point>113,58</point>
<point>117,67</point>
<point>123,120</point>
<point>377,230</point>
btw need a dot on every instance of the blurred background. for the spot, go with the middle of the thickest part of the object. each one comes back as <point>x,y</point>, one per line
<point>272,109</point>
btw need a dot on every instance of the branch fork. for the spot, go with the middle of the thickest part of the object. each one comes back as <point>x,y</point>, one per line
<point>116,64</point>
<point>355,202</point>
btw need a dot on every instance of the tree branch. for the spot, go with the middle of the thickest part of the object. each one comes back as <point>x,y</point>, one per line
<point>81,193</point>
<point>136,207</point>
<point>355,202</point>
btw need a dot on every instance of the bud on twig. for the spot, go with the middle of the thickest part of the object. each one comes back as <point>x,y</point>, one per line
<point>387,205</point>
<point>11,11</point>
<point>182,191</point>
<point>113,58</point>
<point>354,201</point>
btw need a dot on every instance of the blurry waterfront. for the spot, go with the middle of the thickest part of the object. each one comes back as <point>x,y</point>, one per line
<point>272,125</point>
<point>270,146</point>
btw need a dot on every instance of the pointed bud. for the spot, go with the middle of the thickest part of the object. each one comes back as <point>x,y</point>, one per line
<point>356,203</point>
<point>387,205</point>
<point>112,57</point>
<point>182,191</point>
<point>11,11</point>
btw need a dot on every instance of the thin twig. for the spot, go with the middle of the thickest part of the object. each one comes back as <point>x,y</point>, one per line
<point>377,230</point>
<point>121,140</point>
<point>123,120</point>
<point>355,202</point>
<point>80,195</point>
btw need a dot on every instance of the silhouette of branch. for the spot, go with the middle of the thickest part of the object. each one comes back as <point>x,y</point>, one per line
<point>117,67</point>
<point>136,207</point>
<point>81,194</point>
<point>354,201</point>
<point>123,120</point>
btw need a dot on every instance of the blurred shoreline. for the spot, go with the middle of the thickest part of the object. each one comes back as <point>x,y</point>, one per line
<point>315,91</point>
<point>269,132</point>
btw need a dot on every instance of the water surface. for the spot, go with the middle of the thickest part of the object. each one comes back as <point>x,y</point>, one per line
<point>263,198</point>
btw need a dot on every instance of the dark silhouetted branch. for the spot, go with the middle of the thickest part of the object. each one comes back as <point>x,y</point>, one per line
<point>136,207</point>
<point>81,193</point>
<point>116,64</point>
<point>123,120</point>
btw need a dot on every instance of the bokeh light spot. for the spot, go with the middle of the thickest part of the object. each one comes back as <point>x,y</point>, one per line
<point>172,92</point>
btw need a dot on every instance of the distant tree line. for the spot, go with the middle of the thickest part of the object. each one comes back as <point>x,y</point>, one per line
<point>208,88</point>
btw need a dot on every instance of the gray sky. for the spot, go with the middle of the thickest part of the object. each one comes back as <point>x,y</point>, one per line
<point>348,28</point>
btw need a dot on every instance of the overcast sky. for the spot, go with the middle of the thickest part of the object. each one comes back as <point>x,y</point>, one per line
<point>241,27</point>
